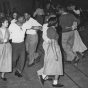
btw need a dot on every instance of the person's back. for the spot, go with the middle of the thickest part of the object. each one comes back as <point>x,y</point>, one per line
<point>66,20</point>
<point>51,33</point>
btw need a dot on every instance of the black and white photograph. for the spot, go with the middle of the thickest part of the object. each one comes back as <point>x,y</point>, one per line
<point>43,43</point>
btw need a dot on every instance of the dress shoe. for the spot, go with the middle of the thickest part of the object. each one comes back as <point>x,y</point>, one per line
<point>57,85</point>
<point>18,74</point>
<point>41,80</point>
<point>31,65</point>
<point>4,79</point>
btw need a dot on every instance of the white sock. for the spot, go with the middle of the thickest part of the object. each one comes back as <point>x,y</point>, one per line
<point>55,82</point>
<point>43,76</point>
<point>2,75</point>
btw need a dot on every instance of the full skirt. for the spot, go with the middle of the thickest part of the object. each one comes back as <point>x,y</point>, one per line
<point>52,59</point>
<point>5,57</point>
<point>78,45</point>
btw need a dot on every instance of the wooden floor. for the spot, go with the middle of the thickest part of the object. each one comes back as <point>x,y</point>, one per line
<point>74,76</point>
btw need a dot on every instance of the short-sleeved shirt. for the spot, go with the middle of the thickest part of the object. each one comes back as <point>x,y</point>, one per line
<point>51,33</point>
<point>28,25</point>
<point>66,20</point>
<point>17,33</point>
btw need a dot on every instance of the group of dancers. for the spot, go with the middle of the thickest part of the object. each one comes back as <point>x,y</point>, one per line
<point>22,31</point>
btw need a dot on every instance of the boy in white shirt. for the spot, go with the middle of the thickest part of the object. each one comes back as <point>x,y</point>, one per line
<point>32,38</point>
<point>18,46</point>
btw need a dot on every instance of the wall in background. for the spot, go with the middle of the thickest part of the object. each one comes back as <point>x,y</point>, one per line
<point>20,5</point>
<point>81,3</point>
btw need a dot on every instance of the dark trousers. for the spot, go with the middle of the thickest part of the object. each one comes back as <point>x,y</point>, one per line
<point>18,55</point>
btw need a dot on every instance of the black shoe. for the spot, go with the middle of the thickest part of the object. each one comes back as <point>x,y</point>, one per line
<point>31,64</point>
<point>57,85</point>
<point>4,79</point>
<point>18,74</point>
<point>41,80</point>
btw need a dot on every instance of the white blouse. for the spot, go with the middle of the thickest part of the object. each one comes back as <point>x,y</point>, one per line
<point>3,32</point>
<point>45,38</point>
<point>17,33</point>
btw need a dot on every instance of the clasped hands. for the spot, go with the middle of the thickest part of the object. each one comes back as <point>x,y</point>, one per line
<point>3,41</point>
<point>36,28</point>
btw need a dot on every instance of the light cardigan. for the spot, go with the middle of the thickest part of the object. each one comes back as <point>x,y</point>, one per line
<point>45,37</point>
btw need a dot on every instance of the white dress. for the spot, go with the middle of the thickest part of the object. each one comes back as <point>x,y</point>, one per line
<point>5,53</point>
<point>52,53</point>
<point>78,46</point>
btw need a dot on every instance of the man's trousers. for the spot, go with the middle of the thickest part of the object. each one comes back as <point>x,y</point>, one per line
<point>31,45</point>
<point>18,55</point>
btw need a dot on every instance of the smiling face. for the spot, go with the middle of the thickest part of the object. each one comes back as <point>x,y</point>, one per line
<point>5,23</point>
<point>21,19</point>
<point>14,15</point>
<point>27,16</point>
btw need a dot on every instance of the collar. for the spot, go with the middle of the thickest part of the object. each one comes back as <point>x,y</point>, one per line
<point>64,13</point>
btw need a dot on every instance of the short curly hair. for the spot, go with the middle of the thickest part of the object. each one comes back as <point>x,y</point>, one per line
<point>2,20</point>
<point>52,21</point>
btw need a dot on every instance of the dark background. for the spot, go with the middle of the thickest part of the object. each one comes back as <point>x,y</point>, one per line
<point>30,5</point>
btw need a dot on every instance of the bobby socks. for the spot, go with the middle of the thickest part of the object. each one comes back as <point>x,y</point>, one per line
<point>43,76</point>
<point>55,82</point>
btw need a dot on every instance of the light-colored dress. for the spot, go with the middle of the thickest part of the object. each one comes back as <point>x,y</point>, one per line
<point>51,65</point>
<point>78,45</point>
<point>52,54</point>
<point>5,53</point>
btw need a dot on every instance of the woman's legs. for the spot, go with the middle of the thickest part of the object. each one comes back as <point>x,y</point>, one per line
<point>56,79</point>
<point>55,82</point>
<point>3,76</point>
<point>42,78</point>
